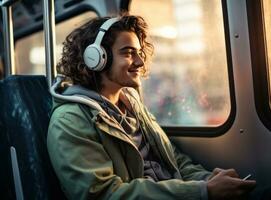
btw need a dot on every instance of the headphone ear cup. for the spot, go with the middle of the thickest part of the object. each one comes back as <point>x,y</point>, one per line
<point>95,57</point>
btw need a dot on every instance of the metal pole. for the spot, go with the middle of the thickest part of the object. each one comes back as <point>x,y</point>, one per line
<point>9,68</point>
<point>49,31</point>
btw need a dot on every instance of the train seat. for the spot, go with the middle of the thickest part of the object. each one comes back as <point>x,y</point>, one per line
<point>25,111</point>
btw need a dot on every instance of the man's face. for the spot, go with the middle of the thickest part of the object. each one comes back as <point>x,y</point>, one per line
<point>127,64</point>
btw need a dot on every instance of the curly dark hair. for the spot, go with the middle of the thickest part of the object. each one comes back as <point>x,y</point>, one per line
<point>72,64</point>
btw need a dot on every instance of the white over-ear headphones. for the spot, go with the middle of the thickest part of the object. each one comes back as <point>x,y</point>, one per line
<point>95,56</point>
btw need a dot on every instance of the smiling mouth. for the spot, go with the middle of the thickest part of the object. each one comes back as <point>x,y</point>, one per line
<point>134,71</point>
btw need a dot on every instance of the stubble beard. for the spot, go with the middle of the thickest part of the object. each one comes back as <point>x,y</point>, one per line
<point>123,83</point>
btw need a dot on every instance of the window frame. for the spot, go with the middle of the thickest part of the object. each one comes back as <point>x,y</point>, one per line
<point>259,63</point>
<point>59,17</point>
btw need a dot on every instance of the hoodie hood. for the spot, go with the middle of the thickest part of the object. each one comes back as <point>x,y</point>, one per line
<point>72,93</point>
<point>79,94</point>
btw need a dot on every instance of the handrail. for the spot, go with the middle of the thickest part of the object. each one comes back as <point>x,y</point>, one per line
<point>49,32</point>
<point>8,38</point>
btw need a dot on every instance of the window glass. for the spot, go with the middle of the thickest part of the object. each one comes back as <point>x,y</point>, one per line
<point>267,27</point>
<point>30,51</point>
<point>188,83</point>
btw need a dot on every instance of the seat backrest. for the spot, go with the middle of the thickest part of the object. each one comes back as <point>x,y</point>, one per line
<point>25,111</point>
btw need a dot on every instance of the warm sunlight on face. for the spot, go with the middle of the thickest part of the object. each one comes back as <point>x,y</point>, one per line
<point>126,69</point>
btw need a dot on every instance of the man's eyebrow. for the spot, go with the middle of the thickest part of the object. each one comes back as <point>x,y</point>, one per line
<point>128,47</point>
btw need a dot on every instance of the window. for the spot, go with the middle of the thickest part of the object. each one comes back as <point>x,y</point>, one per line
<point>188,83</point>
<point>30,51</point>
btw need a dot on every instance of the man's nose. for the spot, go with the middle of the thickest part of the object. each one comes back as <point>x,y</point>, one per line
<point>139,62</point>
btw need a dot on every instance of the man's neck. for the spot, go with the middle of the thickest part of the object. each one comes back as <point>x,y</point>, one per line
<point>111,95</point>
<point>117,98</point>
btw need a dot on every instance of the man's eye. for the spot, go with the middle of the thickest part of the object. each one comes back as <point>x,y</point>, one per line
<point>134,53</point>
<point>129,53</point>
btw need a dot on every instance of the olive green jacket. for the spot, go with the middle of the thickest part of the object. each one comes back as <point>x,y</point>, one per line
<point>94,158</point>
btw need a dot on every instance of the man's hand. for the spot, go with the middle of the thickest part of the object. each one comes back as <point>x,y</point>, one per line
<point>226,184</point>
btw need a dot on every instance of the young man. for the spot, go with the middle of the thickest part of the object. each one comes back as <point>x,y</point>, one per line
<point>102,141</point>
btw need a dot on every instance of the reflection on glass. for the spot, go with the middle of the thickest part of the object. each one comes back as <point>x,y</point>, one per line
<point>267,25</point>
<point>188,84</point>
<point>30,51</point>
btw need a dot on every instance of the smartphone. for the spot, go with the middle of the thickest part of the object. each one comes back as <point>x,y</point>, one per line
<point>247,177</point>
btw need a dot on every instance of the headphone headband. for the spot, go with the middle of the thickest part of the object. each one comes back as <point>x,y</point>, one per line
<point>105,26</point>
